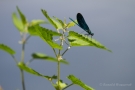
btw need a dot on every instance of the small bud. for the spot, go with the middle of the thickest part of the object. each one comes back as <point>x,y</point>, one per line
<point>60,58</point>
<point>69,47</point>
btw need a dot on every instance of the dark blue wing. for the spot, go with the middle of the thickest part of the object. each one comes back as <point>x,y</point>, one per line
<point>82,22</point>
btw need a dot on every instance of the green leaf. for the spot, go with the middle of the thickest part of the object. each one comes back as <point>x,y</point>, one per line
<point>76,39</point>
<point>24,21</point>
<point>38,21</point>
<point>7,49</point>
<point>24,67</point>
<point>54,77</point>
<point>45,34</point>
<point>49,19</point>
<point>48,58</point>
<point>59,26</point>
<point>17,22</point>
<point>60,21</point>
<point>79,82</point>
<point>71,24</point>
<point>32,30</point>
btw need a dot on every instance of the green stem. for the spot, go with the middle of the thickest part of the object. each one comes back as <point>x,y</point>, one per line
<point>68,86</point>
<point>22,78</point>
<point>58,58</point>
<point>28,38</point>
<point>66,50</point>
<point>55,52</point>
<point>14,59</point>
<point>58,66</point>
<point>22,60</point>
<point>22,55</point>
<point>29,61</point>
<point>58,74</point>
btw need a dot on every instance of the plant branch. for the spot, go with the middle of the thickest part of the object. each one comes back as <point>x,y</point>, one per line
<point>14,59</point>
<point>66,50</point>
<point>68,86</point>
<point>29,61</point>
<point>55,52</point>
<point>22,78</point>
<point>59,74</point>
<point>22,60</point>
<point>27,38</point>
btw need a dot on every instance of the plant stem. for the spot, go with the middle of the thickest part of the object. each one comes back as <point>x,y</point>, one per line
<point>66,50</point>
<point>22,78</point>
<point>22,60</point>
<point>59,58</point>
<point>28,38</point>
<point>29,61</point>
<point>58,66</point>
<point>59,74</point>
<point>55,52</point>
<point>22,55</point>
<point>68,86</point>
<point>14,59</point>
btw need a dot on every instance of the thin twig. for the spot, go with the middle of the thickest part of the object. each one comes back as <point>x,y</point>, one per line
<point>29,61</point>
<point>28,38</point>
<point>66,50</point>
<point>55,52</point>
<point>14,59</point>
<point>68,86</point>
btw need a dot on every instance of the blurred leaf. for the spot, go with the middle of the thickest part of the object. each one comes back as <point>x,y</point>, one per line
<point>24,67</point>
<point>54,77</point>
<point>59,26</point>
<point>32,30</point>
<point>79,82</point>
<point>45,34</point>
<point>49,19</point>
<point>76,39</point>
<point>60,21</point>
<point>24,21</point>
<point>7,49</point>
<point>17,22</point>
<point>38,21</point>
<point>48,58</point>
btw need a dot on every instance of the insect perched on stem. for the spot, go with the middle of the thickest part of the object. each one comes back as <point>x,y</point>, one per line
<point>82,24</point>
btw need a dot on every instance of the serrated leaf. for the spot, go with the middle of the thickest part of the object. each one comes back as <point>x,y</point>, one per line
<point>49,19</point>
<point>71,24</point>
<point>38,21</point>
<point>7,49</point>
<point>79,82</point>
<point>17,22</point>
<point>32,31</point>
<point>45,34</point>
<point>59,26</point>
<point>24,21</point>
<point>77,39</point>
<point>24,67</point>
<point>60,21</point>
<point>49,58</point>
